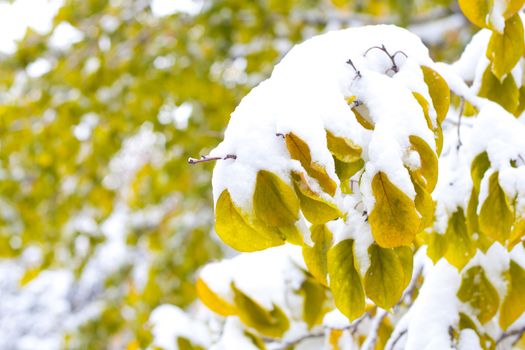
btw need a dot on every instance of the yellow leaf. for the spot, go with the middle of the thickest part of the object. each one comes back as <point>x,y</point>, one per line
<point>185,344</point>
<point>505,93</point>
<point>425,206</point>
<point>521,104</point>
<point>424,106</point>
<point>513,6</point>
<point>518,232</point>
<point>345,171</point>
<point>429,162</point>
<point>345,281</point>
<point>342,148</point>
<point>274,202</point>
<point>316,257</point>
<point>437,246</point>
<point>477,291</point>
<point>212,300</point>
<point>479,167</point>
<point>476,11</point>
<point>394,220</point>
<point>236,231</point>
<point>314,298</point>
<point>272,323</point>
<point>505,50</point>
<point>333,338</point>
<point>387,277</point>
<point>315,209</point>
<point>438,90</point>
<point>460,248</point>
<point>300,151</point>
<point>496,216</point>
<point>513,305</point>
<point>362,115</point>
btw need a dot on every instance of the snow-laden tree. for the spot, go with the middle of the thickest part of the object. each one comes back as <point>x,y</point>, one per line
<point>378,198</point>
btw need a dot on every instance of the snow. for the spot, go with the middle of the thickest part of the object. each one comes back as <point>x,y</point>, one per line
<point>267,276</point>
<point>15,18</point>
<point>306,101</point>
<point>170,322</point>
<point>435,309</point>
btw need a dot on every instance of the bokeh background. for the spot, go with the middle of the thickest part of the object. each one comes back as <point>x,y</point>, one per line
<point>101,104</point>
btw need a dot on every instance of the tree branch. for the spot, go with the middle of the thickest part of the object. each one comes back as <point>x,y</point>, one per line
<point>204,159</point>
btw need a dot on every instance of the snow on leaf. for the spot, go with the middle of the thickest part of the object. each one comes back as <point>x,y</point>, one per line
<point>300,151</point>
<point>505,50</point>
<point>478,292</point>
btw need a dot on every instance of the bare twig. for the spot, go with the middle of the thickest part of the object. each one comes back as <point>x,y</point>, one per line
<point>515,332</point>
<point>351,327</point>
<point>392,57</point>
<point>204,159</point>
<point>357,73</point>
<point>461,109</point>
<point>399,336</point>
<point>372,337</point>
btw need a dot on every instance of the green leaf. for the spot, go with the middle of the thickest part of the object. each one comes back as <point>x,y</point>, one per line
<point>394,220</point>
<point>274,202</point>
<point>505,50</point>
<point>496,216</point>
<point>505,93</point>
<point>460,248</point>
<point>429,162</point>
<point>477,291</point>
<point>342,148</point>
<point>387,277</point>
<point>314,298</point>
<point>315,209</point>
<point>272,323</point>
<point>513,304</point>
<point>438,90</point>
<point>476,11</point>
<point>235,230</point>
<point>345,282</point>
<point>316,257</point>
<point>300,151</point>
<point>479,167</point>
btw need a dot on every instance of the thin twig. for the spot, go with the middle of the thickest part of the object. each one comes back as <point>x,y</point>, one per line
<point>204,159</point>
<point>461,108</point>
<point>399,336</point>
<point>519,332</point>
<point>357,72</point>
<point>392,57</point>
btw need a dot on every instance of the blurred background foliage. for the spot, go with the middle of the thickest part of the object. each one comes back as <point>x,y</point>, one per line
<point>99,116</point>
